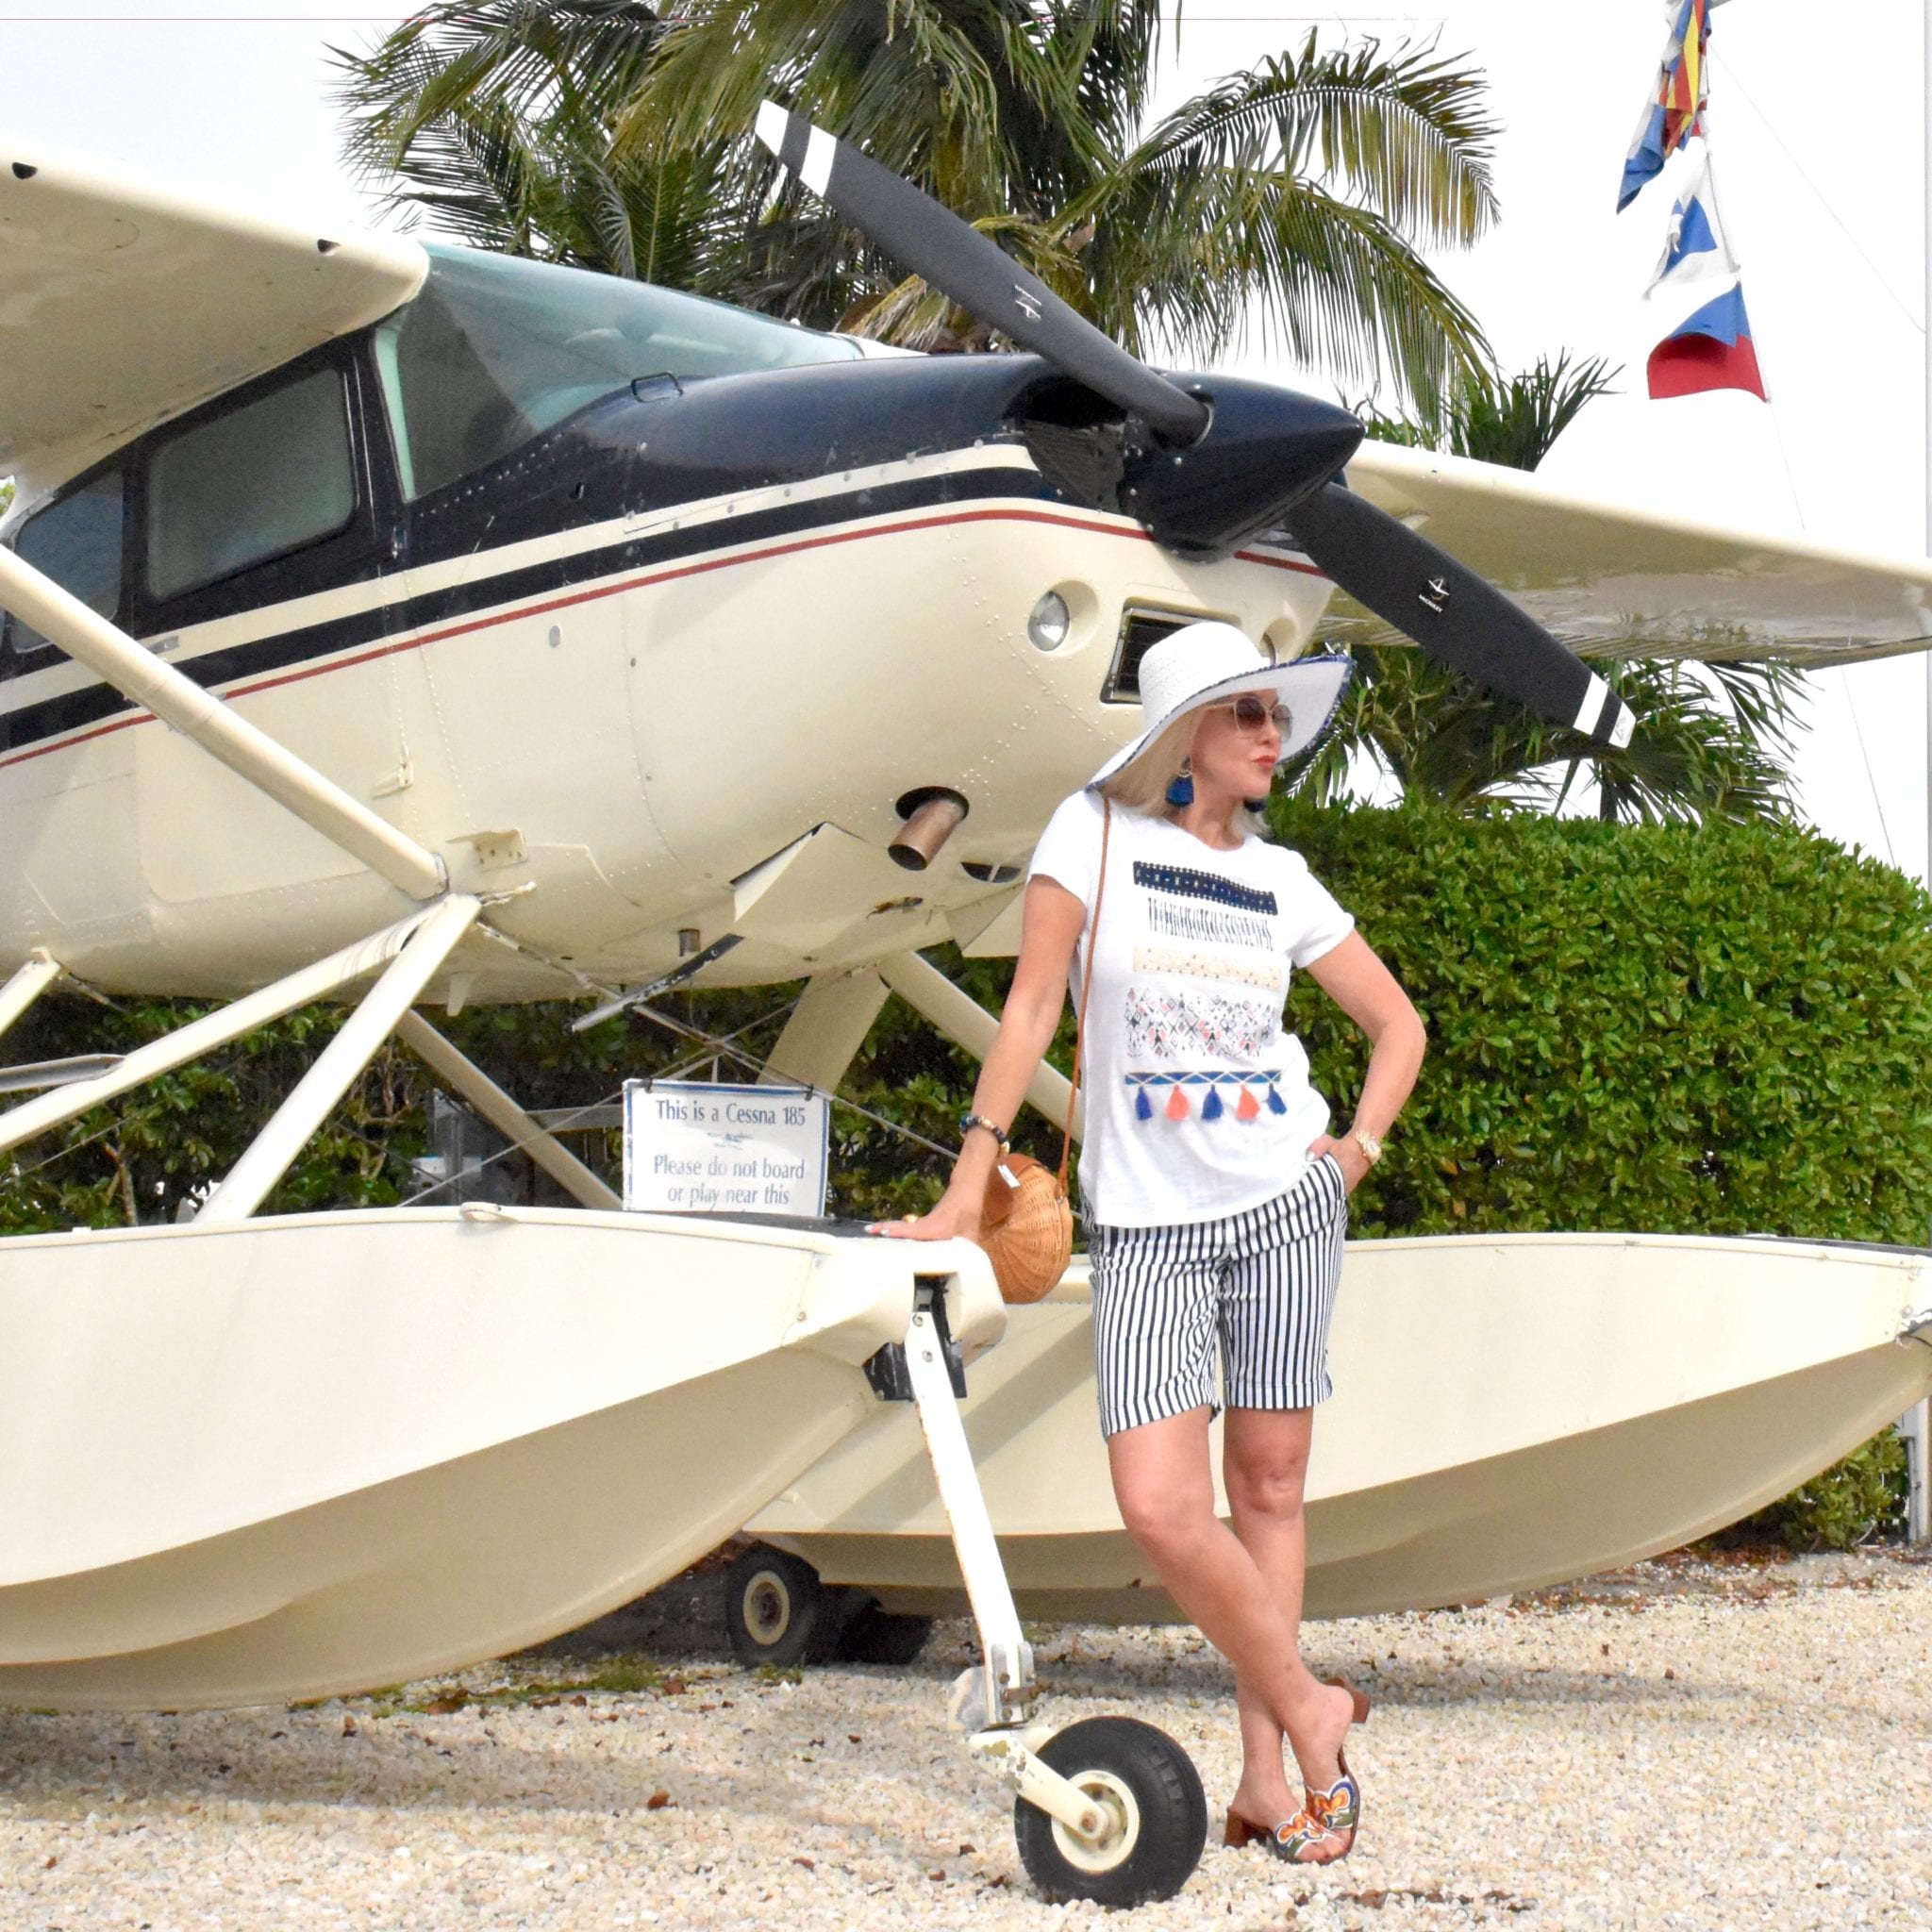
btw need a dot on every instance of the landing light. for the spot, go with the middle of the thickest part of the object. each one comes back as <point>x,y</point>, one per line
<point>1050,623</point>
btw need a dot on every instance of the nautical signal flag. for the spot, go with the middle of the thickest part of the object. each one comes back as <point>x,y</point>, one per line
<point>1676,109</point>
<point>1694,246</point>
<point>1710,349</point>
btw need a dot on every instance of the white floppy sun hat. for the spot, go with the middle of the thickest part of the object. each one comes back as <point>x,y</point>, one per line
<point>1203,663</point>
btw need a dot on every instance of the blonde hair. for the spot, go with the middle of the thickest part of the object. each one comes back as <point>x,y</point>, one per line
<point>1141,784</point>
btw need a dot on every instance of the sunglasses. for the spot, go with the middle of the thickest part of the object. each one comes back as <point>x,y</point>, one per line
<point>1251,713</point>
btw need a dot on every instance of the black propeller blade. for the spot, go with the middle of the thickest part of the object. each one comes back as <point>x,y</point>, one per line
<point>1215,479</point>
<point>1460,619</point>
<point>980,277</point>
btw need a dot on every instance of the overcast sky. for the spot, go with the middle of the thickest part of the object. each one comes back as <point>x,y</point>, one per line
<point>1823,196</point>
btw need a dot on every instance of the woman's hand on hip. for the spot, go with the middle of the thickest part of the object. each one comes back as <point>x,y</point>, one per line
<point>1347,1155</point>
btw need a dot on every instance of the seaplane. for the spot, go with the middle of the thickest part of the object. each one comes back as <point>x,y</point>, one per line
<point>391,617</point>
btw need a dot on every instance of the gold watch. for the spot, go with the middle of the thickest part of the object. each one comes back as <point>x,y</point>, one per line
<point>1370,1148</point>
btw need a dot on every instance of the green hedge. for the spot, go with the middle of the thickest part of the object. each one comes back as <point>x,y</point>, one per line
<point>1719,1029</point>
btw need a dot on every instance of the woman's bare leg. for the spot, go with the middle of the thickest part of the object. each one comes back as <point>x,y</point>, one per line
<point>1265,1466</point>
<point>1163,1483</point>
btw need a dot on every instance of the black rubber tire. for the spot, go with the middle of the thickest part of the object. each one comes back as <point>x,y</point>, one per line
<point>873,1636</point>
<point>776,1611</point>
<point>1148,1779</point>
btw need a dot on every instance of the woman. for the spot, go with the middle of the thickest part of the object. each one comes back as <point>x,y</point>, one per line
<point>1215,1197</point>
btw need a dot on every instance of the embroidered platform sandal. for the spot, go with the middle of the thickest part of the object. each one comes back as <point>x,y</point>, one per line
<point>1297,1841</point>
<point>1339,1809</point>
<point>1322,1831</point>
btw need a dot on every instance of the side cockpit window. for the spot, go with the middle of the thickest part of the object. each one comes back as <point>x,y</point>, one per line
<point>79,543</point>
<point>251,484</point>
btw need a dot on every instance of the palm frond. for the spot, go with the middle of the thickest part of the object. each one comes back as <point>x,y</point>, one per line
<point>529,55</point>
<point>1402,133</point>
<point>1197,254</point>
<point>1712,741</point>
<point>1513,419</point>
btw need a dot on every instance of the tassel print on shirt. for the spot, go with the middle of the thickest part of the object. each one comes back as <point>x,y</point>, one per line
<point>1180,1091</point>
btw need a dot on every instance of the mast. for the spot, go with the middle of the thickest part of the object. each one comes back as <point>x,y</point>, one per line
<point>1916,1426</point>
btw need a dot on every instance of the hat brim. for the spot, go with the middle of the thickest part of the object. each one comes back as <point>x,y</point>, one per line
<point>1313,688</point>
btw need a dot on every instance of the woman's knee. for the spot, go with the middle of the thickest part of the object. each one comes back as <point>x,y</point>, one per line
<point>1267,1484</point>
<point>1161,1521</point>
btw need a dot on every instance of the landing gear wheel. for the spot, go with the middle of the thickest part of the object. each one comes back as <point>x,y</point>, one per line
<point>880,1636</point>
<point>776,1611</point>
<point>1157,1813</point>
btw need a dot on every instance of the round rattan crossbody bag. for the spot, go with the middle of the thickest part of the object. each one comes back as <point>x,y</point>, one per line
<point>1025,1222</point>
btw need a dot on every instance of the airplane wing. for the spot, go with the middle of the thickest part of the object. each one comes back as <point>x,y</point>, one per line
<point>1610,579</point>
<point>122,304</point>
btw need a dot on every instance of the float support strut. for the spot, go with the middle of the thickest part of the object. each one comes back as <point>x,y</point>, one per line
<point>202,1036</point>
<point>457,1070</point>
<point>826,1028</point>
<point>968,1025</point>
<point>362,1034</point>
<point>25,987</point>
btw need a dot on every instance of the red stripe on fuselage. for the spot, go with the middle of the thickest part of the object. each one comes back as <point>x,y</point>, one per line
<point>642,582</point>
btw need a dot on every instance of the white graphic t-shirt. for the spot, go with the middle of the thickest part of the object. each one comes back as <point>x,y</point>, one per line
<point>1198,1105</point>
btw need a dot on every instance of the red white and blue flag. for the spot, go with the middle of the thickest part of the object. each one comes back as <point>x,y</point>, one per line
<point>1677,106</point>
<point>1712,348</point>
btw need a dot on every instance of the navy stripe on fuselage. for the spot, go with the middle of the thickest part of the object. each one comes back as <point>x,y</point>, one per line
<point>32,724</point>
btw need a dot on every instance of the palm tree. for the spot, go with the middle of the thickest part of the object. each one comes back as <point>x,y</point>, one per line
<point>1713,739</point>
<point>498,118</point>
<point>1293,197</point>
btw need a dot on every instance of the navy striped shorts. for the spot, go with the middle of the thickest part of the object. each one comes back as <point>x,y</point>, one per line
<point>1260,1283</point>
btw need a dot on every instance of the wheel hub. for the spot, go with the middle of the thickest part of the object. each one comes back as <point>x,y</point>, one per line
<point>1120,1828</point>
<point>767,1607</point>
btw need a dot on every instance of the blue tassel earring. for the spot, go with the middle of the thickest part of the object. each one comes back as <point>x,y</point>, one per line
<point>1181,792</point>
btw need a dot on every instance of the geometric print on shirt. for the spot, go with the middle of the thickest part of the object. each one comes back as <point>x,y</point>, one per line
<point>1180,1026</point>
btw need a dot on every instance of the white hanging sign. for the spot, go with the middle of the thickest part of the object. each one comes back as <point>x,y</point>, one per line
<point>693,1145</point>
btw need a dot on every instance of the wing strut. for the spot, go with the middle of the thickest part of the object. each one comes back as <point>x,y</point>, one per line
<point>251,752</point>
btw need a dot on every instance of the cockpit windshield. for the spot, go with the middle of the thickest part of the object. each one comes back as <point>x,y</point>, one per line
<point>494,350</point>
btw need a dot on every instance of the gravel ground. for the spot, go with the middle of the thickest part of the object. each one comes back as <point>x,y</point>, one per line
<point>1686,1744</point>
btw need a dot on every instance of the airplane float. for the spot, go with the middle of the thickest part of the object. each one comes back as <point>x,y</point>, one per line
<point>486,630</point>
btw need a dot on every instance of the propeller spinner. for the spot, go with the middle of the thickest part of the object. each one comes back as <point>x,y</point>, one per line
<point>1216,467</point>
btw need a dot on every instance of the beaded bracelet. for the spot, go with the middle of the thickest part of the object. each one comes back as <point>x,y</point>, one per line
<point>969,1121</point>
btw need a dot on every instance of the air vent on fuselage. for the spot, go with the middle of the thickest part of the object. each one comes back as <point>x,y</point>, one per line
<point>1078,441</point>
<point>1141,627</point>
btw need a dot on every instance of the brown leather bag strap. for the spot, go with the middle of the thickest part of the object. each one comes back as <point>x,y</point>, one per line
<point>1086,985</point>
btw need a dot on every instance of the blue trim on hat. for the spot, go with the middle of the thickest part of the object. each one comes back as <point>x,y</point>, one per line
<point>1296,766</point>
